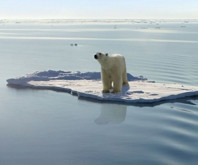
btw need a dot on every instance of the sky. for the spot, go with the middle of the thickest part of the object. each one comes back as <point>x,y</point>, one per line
<point>98,9</point>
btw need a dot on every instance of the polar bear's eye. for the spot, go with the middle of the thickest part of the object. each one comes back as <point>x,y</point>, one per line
<point>100,54</point>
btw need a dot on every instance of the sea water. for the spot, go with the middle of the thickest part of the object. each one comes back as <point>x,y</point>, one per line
<point>47,127</point>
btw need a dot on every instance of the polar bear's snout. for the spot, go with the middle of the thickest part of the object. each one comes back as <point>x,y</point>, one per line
<point>95,56</point>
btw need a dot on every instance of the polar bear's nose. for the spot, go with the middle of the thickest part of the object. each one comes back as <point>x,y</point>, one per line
<point>96,57</point>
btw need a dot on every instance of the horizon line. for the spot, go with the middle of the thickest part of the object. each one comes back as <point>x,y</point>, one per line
<point>98,18</point>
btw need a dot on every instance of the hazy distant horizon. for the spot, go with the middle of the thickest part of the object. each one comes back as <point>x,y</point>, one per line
<point>95,9</point>
<point>92,19</point>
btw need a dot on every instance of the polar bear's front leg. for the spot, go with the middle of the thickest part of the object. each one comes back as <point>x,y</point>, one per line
<point>106,81</point>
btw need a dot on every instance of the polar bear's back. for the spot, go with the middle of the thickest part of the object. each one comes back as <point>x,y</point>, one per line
<point>117,60</point>
<point>116,56</point>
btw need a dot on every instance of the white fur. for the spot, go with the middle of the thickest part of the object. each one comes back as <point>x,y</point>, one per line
<point>113,72</point>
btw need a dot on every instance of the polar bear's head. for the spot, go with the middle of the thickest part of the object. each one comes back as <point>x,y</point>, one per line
<point>101,56</point>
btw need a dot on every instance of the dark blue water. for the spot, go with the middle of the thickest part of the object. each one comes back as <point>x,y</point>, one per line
<point>47,127</point>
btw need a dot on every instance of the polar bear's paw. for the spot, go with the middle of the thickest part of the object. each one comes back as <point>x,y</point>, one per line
<point>105,91</point>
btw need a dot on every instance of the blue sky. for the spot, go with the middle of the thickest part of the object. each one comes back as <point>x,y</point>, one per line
<point>88,9</point>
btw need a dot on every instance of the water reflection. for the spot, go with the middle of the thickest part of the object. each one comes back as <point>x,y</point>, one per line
<point>112,114</point>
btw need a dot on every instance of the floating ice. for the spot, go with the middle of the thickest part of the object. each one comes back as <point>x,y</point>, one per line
<point>89,86</point>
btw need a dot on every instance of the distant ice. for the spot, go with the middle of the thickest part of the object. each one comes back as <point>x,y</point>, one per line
<point>96,21</point>
<point>89,86</point>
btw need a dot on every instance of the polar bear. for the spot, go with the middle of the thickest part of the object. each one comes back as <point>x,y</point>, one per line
<point>113,71</point>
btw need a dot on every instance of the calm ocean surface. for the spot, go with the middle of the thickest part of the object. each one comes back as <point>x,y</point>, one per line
<point>39,127</point>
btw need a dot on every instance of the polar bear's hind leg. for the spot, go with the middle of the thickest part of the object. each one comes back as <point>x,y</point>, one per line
<point>117,85</point>
<point>125,80</point>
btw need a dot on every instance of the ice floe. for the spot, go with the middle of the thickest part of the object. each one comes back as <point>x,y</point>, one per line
<point>89,86</point>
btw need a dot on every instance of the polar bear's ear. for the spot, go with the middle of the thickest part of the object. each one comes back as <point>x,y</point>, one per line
<point>106,54</point>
